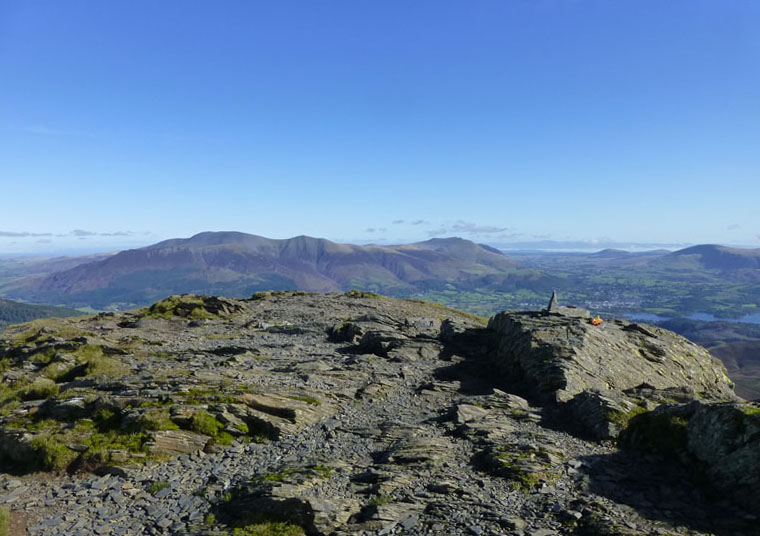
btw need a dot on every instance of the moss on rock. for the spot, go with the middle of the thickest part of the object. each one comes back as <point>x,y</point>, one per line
<point>184,306</point>
<point>656,431</point>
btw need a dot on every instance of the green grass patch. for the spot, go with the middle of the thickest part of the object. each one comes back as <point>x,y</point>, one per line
<point>87,352</point>
<point>197,395</point>
<point>655,432</point>
<point>259,523</point>
<point>154,403</point>
<point>269,294</point>
<point>42,425</point>
<point>106,418</point>
<point>321,471</point>
<point>224,438</point>
<point>50,454</point>
<point>44,356</point>
<point>622,418</point>
<point>363,294</point>
<point>9,393</point>
<point>155,420</point>
<point>103,446</point>
<point>57,372</point>
<point>526,467</point>
<point>379,500</point>
<point>157,486</point>
<point>269,528</point>
<point>101,436</point>
<point>528,481</point>
<point>106,367</point>
<point>280,476</point>
<point>203,422</point>
<point>184,306</point>
<point>209,520</point>
<point>43,328</point>
<point>39,389</point>
<point>5,521</point>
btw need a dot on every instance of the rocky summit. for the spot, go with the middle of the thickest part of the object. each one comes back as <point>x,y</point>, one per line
<point>292,413</point>
<point>602,373</point>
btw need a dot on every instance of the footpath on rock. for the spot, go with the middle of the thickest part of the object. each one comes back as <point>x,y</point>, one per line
<point>294,413</point>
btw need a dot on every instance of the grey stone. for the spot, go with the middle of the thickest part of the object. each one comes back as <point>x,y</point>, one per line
<point>177,442</point>
<point>553,303</point>
<point>601,373</point>
<point>468,412</point>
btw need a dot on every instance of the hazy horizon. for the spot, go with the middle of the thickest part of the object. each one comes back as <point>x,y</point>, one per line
<point>502,122</point>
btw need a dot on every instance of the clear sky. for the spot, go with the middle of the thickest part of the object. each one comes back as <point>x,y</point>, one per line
<point>126,122</point>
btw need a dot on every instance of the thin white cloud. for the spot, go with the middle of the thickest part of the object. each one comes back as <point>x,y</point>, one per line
<point>80,233</point>
<point>508,236</point>
<point>473,228</point>
<point>77,233</point>
<point>22,234</point>
<point>410,222</point>
<point>117,233</point>
<point>465,227</point>
<point>439,232</point>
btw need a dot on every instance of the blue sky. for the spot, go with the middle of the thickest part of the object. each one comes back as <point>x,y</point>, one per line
<point>123,123</point>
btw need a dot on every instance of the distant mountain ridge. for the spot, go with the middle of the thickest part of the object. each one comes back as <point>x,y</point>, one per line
<point>236,264</point>
<point>716,257</point>
<point>479,278</point>
<point>694,258</point>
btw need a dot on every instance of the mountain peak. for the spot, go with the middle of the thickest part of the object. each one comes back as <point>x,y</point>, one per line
<point>611,252</point>
<point>238,264</point>
<point>714,256</point>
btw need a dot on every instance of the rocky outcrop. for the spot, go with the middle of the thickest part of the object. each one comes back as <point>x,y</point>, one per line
<point>720,442</point>
<point>558,356</point>
<point>602,373</point>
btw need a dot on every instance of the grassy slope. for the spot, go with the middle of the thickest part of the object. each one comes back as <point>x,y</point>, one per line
<point>14,313</point>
